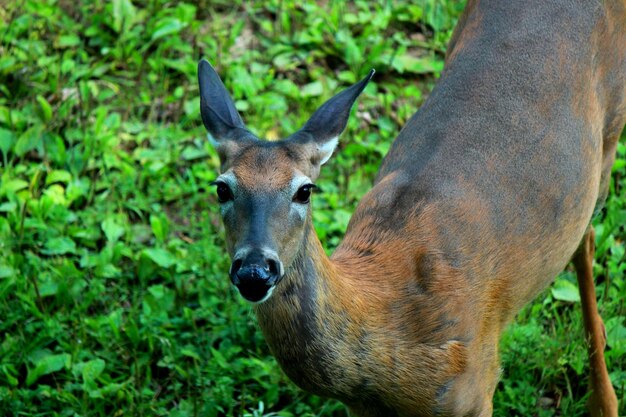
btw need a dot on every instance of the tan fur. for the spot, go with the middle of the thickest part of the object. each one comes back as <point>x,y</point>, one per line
<point>483,198</point>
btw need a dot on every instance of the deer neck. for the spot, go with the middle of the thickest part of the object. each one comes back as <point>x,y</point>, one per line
<point>310,284</point>
<point>324,327</point>
<point>307,318</point>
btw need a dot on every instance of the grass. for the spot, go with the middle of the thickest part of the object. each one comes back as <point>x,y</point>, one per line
<point>114,298</point>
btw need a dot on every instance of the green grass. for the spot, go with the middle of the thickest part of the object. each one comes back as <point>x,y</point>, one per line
<point>114,298</point>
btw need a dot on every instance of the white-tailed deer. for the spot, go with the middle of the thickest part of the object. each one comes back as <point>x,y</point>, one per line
<point>486,194</point>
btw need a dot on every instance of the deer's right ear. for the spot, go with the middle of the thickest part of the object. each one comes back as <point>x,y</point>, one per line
<point>219,115</point>
<point>322,130</point>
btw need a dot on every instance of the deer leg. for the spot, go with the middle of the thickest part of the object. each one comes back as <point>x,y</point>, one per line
<point>602,401</point>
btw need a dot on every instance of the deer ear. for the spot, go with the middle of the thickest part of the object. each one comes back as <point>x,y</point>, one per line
<point>327,123</point>
<point>219,115</point>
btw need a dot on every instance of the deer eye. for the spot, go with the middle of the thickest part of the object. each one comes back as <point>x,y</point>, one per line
<point>224,193</point>
<point>303,194</point>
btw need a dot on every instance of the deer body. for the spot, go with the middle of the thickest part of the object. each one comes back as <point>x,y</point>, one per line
<point>482,200</point>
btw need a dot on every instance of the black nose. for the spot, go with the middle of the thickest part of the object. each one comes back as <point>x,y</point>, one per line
<point>254,275</point>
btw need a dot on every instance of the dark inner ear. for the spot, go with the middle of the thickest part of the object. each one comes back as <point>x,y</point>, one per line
<point>219,115</point>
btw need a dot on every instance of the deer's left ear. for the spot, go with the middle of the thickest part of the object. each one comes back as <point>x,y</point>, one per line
<point>322,130</point>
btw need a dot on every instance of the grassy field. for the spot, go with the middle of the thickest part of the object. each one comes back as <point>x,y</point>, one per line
<point>114,295</point>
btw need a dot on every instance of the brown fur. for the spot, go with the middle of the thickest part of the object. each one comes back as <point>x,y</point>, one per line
<point>483,198</point>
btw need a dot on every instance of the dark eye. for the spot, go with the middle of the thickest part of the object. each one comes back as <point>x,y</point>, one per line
<point>223,192</point>
<point>303,194</point>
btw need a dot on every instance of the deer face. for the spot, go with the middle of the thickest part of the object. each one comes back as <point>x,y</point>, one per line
<point>264,188</point>
<point>264,196</point>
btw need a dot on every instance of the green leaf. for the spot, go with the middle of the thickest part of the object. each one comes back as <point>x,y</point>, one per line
<point>352,52</point>
<point>123,15</point>
<point>7,140</point>
<point>58,176</point>
<point>5,228</point>
<point>191,153</point>
<point>12,186</point>
<point>190,352</point>
<point>564,290</point>
<point>60,246</point>
<point>312,89</point>
<point>10,378</point>
<point>219,359</point>
<point>47,365</point>
<point>112,230</point>
<point>417,65</point>
<point>160,257</point>
<point>7,64</point>
<point>66,41</point>
<point>48,288</point>
<point>92,370</point>
<point>167,26</point>
<point>159,227</point>
<point>28,140</point>
<point>616,332</point>
<point>46,109</point>
<point>7,207</point>
<point>619,165</point>
<point>157,291</point>
<point>6,271</point>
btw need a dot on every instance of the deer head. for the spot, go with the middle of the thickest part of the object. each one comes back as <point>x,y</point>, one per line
<point>264,188</point>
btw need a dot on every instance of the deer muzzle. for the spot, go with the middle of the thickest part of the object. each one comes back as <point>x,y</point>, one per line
<point>255,274</point>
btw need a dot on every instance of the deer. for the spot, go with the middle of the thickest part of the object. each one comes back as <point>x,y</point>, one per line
<point>486,194</point>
